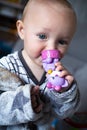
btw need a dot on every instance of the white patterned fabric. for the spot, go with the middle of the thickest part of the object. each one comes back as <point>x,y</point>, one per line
<point>16,111</point>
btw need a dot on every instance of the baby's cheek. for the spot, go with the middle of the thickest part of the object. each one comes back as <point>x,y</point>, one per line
<point>62,52</point>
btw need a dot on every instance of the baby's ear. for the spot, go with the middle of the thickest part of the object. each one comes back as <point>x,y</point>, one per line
<point>20,29</point>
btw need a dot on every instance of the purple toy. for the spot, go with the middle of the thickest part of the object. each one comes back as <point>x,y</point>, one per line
<point>49,58</point>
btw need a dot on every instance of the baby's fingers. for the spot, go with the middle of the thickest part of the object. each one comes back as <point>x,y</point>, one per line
<point>59,66</point>
<point>35,90</point>
<point>35,99</point>
<point>36,103</point>
<point>68,76</point>
<point>38,108</point>
<point>70,79</point>
<point>64,73</point>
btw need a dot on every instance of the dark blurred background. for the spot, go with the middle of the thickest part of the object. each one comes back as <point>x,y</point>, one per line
<point>10,11</point>
<point>75,59</point>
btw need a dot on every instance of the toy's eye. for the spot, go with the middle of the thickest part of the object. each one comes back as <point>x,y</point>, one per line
<point>53,78</point>
<point>42,36</point>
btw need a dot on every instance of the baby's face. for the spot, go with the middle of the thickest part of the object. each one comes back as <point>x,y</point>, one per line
<point>47,27</point>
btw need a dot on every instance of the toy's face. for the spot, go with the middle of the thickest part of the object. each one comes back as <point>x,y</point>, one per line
<point>49,58</point>
<point>49,64</point>
<point>54,79</point>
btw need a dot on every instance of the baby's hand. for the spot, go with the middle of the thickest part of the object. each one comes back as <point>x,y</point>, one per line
<point>64,73</point>
<point>37,104</point>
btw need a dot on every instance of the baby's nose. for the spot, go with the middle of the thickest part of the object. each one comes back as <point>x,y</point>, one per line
<point>51,46</point>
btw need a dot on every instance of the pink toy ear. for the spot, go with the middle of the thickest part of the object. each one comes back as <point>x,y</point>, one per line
<point>65,84</point>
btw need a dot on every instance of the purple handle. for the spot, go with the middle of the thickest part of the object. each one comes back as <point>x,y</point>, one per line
<point>55,54</point>
<point>49,58</point>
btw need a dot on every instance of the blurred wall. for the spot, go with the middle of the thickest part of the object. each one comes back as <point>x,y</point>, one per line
<point>78,47</point>
<point>80,7</point>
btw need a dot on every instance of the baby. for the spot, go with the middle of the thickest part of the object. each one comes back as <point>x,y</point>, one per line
<point>29,104</point>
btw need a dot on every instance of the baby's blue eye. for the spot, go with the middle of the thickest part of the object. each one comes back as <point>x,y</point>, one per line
<point>42,36</point>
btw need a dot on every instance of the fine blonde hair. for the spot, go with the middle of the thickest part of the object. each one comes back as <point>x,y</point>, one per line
<point>64,3</point>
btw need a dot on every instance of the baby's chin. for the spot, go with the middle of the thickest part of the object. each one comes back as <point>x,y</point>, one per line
<point>39,62</point>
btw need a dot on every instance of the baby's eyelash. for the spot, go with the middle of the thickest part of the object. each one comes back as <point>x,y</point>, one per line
<point>62,42</point>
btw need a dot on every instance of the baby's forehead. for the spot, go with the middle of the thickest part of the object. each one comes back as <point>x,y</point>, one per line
<point>53,4</point>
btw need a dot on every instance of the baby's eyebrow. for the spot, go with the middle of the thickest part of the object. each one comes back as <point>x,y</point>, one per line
<point>65,37</point>
<point>46,29</point>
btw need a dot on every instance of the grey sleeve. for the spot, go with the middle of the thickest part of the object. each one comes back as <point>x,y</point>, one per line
<point>15,100</point>
<point>16,108</point>
<point>65,104</point>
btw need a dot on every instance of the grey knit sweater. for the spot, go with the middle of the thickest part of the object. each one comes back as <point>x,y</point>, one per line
<point>16,111</point>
